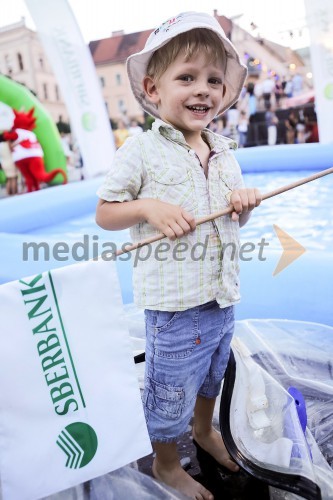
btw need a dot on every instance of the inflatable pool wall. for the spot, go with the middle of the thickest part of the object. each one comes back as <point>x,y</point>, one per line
<point>303,291</point>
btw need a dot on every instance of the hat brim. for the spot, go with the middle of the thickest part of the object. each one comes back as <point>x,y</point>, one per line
<point>235,74</point>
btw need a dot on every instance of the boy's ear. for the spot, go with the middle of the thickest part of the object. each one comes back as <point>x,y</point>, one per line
<point>150,89</point>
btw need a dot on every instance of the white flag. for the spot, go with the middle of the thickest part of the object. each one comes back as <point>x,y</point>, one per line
<point>319,15</point>
<point>70,403</point>
<point>74,69</point>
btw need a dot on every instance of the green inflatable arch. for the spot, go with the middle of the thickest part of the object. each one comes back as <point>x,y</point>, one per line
<point>19,97</point>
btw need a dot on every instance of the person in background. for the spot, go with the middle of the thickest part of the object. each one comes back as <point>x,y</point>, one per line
<point>300,131</point>
<point>161,182</point>
<point>249,102</point>
<point>268,86</point>
<point>9,168</point>
<point>288,88</point>
<point>297,82</point>
<point>271,123</point>
<point>290,125</point>
<point>278,91</point>
<point>311,130</point>
<point>120,134</point>
<point>232,122</point>
<point>134,128</point>
<point>242,129</point>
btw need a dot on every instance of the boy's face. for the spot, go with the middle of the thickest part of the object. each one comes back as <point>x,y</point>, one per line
<point>189,94</point>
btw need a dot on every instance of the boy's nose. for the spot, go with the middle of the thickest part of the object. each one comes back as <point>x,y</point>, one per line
<point>202,89</point>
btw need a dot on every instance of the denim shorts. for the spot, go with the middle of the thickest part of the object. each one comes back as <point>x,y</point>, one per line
<point>186,355</point>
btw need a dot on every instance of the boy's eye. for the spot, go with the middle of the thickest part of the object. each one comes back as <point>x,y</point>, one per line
<point>186,78</point>
<point>215,81</point>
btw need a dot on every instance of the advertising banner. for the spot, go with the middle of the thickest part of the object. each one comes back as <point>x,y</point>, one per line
<point>320,22</point>
<point>70,402</point>
<point>74,69</point>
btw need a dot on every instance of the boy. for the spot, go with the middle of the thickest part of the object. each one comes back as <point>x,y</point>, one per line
<point>187,74</point>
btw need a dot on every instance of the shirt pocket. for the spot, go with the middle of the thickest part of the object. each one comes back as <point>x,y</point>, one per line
<point>175,187</point>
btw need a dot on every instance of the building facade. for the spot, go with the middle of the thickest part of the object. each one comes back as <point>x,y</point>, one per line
<point>22,58</point>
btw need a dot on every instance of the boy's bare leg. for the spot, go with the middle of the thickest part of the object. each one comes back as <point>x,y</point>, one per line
<point>207,437</point>
<point>167,468</point>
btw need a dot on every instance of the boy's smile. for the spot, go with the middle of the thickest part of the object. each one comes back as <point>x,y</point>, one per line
<point>189,94</point>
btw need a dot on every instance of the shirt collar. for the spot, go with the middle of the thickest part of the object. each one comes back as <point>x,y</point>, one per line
<point>216,142</point>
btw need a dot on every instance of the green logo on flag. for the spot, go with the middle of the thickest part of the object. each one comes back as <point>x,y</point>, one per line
<point>328,91</point>
<point>79,443</point>
<point>89,120</point>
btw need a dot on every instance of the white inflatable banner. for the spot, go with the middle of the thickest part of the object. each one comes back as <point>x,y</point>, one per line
<point>74,69</point>
<point>319,15</point>
<point>69,397</point>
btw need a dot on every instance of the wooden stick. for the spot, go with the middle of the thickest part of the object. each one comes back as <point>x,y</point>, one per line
<point>228,210</point>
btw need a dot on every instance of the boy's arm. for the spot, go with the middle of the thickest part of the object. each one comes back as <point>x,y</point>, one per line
<point>171,220</point>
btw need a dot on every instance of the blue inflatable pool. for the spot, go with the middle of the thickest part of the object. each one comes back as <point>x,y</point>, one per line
<point>60,221</point>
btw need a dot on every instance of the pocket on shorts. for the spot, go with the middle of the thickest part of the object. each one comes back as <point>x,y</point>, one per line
<point>164,319</point>
<point>229,320</point>
<point>165,400</point>
<point>160,320</point>
<point>172,334</point>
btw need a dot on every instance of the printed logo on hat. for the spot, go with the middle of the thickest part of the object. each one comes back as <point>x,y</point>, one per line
<point>168,24</point>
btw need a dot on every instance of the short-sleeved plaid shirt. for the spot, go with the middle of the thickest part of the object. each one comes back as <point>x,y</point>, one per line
<point>203,265</point>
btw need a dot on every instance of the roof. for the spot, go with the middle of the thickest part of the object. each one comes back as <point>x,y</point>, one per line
<point>119,47</point>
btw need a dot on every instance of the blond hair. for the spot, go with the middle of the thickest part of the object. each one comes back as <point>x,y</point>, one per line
<point>191,43</point>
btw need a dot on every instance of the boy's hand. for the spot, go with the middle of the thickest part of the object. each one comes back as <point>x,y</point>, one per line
<point>171,220</point>
<point>244,200</point>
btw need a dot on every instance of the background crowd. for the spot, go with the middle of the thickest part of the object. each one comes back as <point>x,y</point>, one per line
<point>262,116</point>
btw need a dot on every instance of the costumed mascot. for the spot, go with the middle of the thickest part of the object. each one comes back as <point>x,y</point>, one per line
<point>27,152</point>
<point>8,167</point>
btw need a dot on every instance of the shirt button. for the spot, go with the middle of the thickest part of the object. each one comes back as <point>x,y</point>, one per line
<point>198,341</point>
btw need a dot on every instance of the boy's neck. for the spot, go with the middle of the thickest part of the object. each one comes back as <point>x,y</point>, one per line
<point>194,139</point>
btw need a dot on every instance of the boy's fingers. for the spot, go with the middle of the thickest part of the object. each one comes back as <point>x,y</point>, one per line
<point>236,202</point>
<point>169,233</point>
<point>184,225</point>
<point>189,219</point>
<point>258,197</point>
<point>177,229</point>
<point>252,201</point>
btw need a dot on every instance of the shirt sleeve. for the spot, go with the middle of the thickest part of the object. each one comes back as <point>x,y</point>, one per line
<point>238,177</point>
<point>124,179</point>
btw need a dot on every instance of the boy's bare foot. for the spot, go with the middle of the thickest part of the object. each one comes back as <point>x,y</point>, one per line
<point>213,444</point>
<point>177,478</point>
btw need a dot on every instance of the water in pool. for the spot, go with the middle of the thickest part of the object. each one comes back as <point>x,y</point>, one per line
<point>305,213</point>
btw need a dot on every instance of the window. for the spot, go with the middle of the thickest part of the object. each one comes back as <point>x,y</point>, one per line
<point>20,61</point>
<point>41,62</point>
<point>121,106</point>
<point>56,91</point>
<point>102,81</point>
<point>45,91</point>
<point>118,79</point>
<point>8,64</point>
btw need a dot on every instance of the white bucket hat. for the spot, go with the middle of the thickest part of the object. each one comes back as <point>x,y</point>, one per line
<point>235,73</point>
